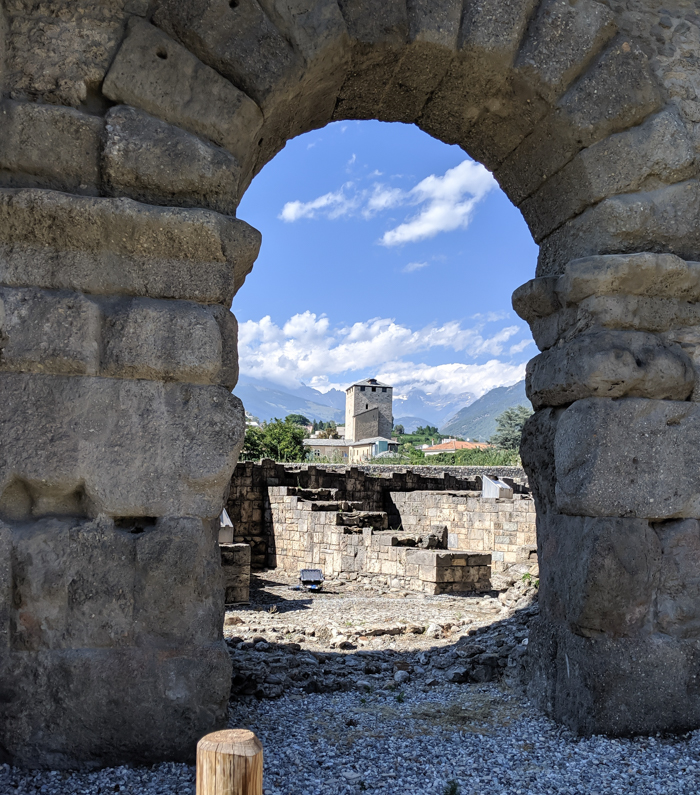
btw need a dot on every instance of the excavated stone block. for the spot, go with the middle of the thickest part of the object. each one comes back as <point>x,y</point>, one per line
<point>599,576</point>
<point>50,332</point>
<point>123,448</point>
<point>629,457</point>
<point>678,596</point>
<point>615,686</point>
<point>656,153</point>
<point>562,40</point>
<point>146,338</point>
<point>50,147</point>
<point>153,72</point>
<point>157,163</point>
<point>108,246</point>
<point>490,36</point>
<point>610,364</point>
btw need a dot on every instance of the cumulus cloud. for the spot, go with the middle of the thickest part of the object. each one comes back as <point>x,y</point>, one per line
<point>307,349</point>
<point>443,203</point>
<point>447,203</point>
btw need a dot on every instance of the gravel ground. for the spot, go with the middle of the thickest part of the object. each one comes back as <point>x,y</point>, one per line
<point>415,735</point>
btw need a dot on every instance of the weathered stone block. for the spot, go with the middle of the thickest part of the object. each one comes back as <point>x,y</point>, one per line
<point>123,622</point>
<point>609,455</point>
<point>655,153</point>
<point>157,163</point>
<point>599,576</point>
<point>678,597</point>
<point>239,41</point>
<point>50,147</point>
<point>561,41</point>
<point>49,331</point>
<point>609,364</point>
<point>619,686</point>
<point>109,246</point>
<point>124,448</point>
<point>166,340</point>
<point>154,72</point>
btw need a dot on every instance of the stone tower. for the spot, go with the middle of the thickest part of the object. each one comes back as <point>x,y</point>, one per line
<point>368,410</point>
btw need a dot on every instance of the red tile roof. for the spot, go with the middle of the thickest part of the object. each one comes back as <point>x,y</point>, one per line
<point>451,447</point>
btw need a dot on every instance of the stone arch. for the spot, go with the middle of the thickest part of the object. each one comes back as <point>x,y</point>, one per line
<point>130,130</point>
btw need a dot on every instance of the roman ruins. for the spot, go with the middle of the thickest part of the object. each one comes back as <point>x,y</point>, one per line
<point>130,129</point>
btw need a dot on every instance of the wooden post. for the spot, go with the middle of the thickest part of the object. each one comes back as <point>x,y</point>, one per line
<point>230,763</point>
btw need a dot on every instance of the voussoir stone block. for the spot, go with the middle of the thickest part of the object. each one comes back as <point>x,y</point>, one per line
<point>153,72</point>
<point>561,41</point>
<point>50,147</point>
<point>113,446</point>
<point>157,163</point>
<point>655,153</point>
<point>629,457</point>
<point>117,246</point>
<point>491,33</point>
<point>610,364</point>
<point>49,332</point>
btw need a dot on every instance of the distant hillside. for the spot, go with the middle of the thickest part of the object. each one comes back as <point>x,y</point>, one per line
<point>478,421</point>
<point>411,423</point>
<point>267,403</point>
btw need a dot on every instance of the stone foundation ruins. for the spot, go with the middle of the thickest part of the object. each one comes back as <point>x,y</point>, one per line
<point>362,523</point>
<point>130,130</point>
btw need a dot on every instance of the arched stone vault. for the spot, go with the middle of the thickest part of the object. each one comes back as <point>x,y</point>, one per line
<point>129,130</point>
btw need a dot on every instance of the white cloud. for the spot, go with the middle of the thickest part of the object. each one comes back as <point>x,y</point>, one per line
<point>448,203</point>
<point>445,203</point>
<point>307,349</point>
<point>333,205</point>
<point>414,266</point>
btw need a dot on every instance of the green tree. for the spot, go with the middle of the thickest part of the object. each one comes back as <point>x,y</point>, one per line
<point>284,441</point>
<point>254,444</point>
<point>298,419</point>
<point>399,430</point>
<point>509,428</point>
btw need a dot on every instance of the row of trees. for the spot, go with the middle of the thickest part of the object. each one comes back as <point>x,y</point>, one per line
<point>283,440</point>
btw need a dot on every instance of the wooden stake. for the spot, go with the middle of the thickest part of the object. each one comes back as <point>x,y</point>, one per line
<point>230,763</point>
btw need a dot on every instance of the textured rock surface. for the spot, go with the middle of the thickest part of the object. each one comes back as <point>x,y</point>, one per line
<point>587,112</point>
<point>154,653</point>
<point>83,445</point>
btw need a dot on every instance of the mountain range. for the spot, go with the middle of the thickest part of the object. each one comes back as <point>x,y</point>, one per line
<point>460,415</point>
<point>478,420</point>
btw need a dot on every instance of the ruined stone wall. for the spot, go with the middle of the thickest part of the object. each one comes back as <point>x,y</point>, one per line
<point>371,485</point>
<point>505,528</point>
<point>306,537</point>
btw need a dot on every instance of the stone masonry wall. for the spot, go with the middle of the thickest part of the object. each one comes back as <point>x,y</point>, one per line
<point>371,485</point>
<point>306,537</point>
<point>504,527</point>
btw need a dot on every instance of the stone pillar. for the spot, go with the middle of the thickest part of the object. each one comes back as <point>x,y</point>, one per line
<point>611,452</point>
<point>119,436</point>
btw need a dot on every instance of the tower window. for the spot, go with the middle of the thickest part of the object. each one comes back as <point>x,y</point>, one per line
<point>366,405</point>
<point>374,389</point>
<point>362,389</point>
<point>383,389</point>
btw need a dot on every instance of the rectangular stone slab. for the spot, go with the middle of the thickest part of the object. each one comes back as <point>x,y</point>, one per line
<point>120,447</point>
<point>631,457</point>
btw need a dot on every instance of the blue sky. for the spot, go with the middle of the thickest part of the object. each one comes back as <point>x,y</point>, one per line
<point>387,253</point>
